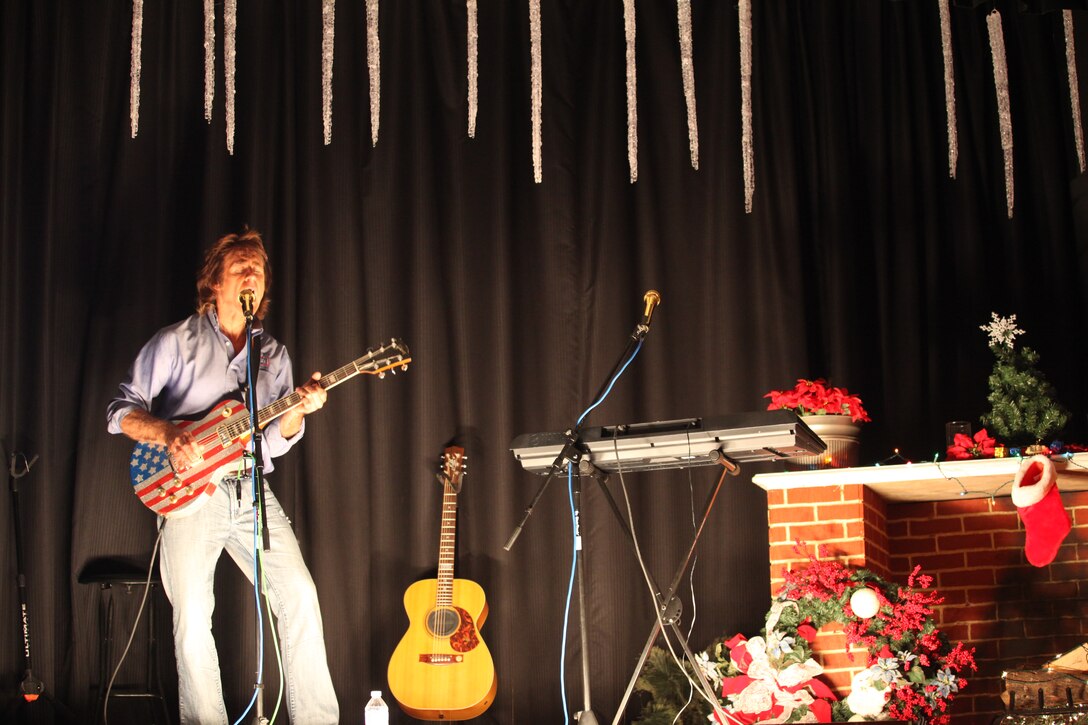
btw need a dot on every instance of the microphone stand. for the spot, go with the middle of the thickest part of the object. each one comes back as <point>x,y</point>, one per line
<point>573,450</point>
<point>31,688</point>
<point>571,454</point>
<point>257,479</point>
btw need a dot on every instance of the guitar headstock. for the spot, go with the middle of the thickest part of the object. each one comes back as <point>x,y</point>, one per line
<point>391,356</point>
<point>453,467</point>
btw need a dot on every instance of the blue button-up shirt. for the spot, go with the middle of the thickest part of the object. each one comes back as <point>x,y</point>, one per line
<point>187,368</point>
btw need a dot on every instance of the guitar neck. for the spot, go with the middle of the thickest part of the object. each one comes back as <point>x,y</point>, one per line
<point>447,545</point>
<point>274,410</point>
<point>390,356</point>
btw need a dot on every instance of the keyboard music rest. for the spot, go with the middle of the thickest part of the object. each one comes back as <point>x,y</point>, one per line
<point>766,435</point>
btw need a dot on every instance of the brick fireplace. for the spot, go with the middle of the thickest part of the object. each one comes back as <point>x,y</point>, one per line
<point>957,522</point>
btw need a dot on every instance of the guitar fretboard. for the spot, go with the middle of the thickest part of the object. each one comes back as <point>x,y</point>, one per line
<point>446,546</point>
<point>385,356</point>
<point>451,484</point>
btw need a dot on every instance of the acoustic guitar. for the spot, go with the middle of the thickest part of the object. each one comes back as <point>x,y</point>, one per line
<point>173,491</point>
<point>442,670</point>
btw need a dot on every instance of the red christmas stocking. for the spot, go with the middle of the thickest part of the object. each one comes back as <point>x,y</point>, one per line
<point>1035,493</point>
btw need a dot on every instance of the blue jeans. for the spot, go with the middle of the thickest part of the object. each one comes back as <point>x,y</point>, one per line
<point>191,546</point>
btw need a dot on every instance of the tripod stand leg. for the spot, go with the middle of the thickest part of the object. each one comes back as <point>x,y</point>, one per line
<point>638,670</point>
<point>700,676</point>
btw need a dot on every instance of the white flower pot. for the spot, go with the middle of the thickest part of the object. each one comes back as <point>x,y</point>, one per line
<point>840,433</point>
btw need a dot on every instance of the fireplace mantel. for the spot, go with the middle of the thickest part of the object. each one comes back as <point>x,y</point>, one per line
<point>957,522</point>
<point>943,481</point>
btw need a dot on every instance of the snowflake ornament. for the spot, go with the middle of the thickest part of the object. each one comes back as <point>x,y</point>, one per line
<point>1002,330</point>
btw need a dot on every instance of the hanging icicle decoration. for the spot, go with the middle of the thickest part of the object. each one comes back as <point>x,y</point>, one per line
<point>374,67</point>
<point>949,88</point>
<point>230,57</point>
<point>537,84</point>
<point>209,58</point>
<point>1004,109</point>
<point>328,26</point>
<point>687,67</point>
<point>134,69</point>
<point>1074,85</point>
<point>472,37</point>
<point>744,11</point>
<point>632,89</point>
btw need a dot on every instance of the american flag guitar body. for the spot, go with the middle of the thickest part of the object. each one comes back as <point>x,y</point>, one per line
<point>223,434</point>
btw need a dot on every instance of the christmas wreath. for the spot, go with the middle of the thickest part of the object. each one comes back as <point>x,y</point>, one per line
<point>912,672</point>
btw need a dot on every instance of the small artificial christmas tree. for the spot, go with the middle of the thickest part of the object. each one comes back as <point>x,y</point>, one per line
<point>1023,406</point>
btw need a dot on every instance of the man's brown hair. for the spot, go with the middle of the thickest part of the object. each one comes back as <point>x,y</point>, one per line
<point>249,240</point>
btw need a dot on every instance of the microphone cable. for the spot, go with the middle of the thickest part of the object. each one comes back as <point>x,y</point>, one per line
<point>257,599</point>
<point>576,543</point>
<point>276,647</point>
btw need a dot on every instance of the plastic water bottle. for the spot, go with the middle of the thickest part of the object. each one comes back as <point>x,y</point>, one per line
<point>376,712</point>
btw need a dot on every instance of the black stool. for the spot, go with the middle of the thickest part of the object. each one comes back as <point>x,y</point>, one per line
<point>110,573</point>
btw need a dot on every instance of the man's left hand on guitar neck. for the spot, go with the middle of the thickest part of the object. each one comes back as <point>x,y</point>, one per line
<point>313,397</point>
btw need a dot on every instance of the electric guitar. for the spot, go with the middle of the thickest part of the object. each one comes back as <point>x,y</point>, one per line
<point>442,670</point>
<point>222,435</point>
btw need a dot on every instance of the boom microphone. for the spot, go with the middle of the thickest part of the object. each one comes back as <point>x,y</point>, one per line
<point>652,298</point>
<point>246,298</point>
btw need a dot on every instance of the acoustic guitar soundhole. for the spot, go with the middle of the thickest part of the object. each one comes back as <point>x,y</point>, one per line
<point>443,622</point>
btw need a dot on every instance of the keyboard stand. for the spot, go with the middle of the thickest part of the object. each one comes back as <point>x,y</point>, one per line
<point>668,606</point>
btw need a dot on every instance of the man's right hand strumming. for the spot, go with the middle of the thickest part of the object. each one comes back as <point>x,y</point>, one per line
<point>182,448</point>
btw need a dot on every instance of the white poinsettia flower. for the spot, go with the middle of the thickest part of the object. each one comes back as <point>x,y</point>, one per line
<point>779,644</point>
<point>710,669</point>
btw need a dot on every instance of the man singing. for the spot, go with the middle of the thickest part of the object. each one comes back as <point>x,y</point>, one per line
<point>181,373</point>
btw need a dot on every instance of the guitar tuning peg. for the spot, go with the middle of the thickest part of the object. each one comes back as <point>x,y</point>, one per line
<point>381,375</point>
<point>404,366</point>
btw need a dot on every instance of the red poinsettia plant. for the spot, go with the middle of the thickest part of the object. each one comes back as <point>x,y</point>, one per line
<point>816,397</point>
<point>963,447</point>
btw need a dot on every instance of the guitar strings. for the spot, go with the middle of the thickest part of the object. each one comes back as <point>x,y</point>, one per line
<point>438,580</point>
<point>449,497</point>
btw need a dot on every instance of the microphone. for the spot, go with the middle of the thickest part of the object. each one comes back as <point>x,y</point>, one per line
<point>246,298</point>
<point>652,298</point>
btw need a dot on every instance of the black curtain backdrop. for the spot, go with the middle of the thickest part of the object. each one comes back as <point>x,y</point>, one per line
<point>862,261</point>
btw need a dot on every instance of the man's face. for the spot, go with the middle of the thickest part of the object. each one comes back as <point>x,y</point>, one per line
<point>242,269</point>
